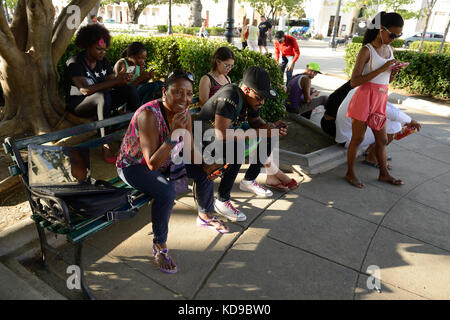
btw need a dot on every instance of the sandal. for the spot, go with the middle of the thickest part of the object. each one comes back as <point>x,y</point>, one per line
<point>208,224</point>
<point>292,185</point>
<point>279,186</point>
<point>165,253</point>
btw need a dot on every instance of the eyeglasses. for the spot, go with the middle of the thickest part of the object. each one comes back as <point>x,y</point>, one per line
<point>393,35</point>
<point>257,96</point>
<point>228,66</point>
<point>176,74</point>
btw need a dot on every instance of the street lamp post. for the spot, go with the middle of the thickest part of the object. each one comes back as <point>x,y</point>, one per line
<point>230,22</point>
<point>169,29</point>
<point>336,25</point>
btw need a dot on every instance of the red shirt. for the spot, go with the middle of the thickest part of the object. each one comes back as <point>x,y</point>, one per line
<point>288,48</point>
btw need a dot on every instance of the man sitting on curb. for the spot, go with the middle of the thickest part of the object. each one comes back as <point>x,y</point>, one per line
<point>237,107</point>
<point>302,98</point>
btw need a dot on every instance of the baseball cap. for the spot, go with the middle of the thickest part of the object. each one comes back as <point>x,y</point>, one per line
<point>314,66</point>
<point>258,79</point>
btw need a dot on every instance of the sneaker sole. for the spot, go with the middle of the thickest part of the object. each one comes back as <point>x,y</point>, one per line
<point>233,219</point>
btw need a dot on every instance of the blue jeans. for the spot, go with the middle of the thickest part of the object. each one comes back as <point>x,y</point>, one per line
<point>283,66</point>
<point>156,185</point>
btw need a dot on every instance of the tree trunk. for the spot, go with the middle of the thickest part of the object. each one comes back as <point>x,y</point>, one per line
<point>445,36</point>
<point>30,50</point>
<point>195,19</point>
<point>430,6</point>
<point>135,12</point>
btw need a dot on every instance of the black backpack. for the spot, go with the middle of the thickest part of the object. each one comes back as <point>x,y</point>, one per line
<point>117,204</point>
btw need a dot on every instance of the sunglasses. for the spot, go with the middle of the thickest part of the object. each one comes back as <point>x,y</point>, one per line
<point>393,35</point>
<point>177,74</point>
<point>257,96</point>
<point>228,66</point>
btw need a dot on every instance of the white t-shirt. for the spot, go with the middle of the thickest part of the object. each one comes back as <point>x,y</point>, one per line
<point>395,118</point>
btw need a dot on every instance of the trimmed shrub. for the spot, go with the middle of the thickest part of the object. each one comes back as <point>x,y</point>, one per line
<point>194,54</point>
<point>430,47</point>
<point>357,39</point>
<point>162,28</point>
<point>427,74</point>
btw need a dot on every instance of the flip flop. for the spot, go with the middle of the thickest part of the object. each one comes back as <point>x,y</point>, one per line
<point>279,186</point>
<point>207,223</point>
<point>292,185</point>
<point>165,253</point>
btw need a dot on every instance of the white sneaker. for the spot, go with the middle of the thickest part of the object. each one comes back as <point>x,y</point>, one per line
<point>227,210</point>
<point>256,188</point>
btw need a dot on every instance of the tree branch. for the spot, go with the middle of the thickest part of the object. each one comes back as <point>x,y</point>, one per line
<point>62,35</point>
<point>19,25</point>
<point>8,47</point>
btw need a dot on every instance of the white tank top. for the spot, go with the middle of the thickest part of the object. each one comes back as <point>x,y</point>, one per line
<point>377,62</point>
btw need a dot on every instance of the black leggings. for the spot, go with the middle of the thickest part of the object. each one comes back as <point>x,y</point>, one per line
<point>102,103</point>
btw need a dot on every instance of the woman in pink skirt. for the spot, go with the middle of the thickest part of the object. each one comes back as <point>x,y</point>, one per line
<point>375,68</point>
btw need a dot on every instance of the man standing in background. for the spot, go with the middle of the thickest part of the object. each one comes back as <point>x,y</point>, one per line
<point>265,27</point>
<point>290,53</point>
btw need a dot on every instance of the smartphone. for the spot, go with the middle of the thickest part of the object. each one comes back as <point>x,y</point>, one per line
<point>398,66</point>
<point>219,172</point>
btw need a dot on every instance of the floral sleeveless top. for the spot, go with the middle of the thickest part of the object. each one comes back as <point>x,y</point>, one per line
<point>130,152</point>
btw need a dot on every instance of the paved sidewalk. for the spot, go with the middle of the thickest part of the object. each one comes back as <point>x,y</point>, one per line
<point>313,243</point>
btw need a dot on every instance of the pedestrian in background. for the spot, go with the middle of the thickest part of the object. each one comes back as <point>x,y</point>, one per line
<point>265,27</point>
<point>253,34</point>
<point>288,47</point>
<point>244,33</point>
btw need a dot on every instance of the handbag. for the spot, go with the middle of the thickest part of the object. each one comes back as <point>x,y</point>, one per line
<point>178,178</point>
<point>117,205</point>
<point>375,120</point>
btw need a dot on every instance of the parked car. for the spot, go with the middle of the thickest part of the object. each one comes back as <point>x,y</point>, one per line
<point>429,36</point>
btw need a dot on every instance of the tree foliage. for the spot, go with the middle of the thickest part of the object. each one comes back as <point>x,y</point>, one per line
<point>371,7</point>
<point>271,8</point>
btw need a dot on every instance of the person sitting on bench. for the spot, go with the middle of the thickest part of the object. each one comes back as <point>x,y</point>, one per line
<point>133,61</point>
<point>144,160</point>
<point>89,79</point>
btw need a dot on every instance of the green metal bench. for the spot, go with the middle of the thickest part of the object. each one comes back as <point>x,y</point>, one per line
<point>52,213</point>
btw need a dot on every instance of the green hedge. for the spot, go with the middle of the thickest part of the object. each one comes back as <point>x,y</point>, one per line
<point>430,47</point>
<point>194,54</point>
<point>427,74</point>
<point>397,43</point>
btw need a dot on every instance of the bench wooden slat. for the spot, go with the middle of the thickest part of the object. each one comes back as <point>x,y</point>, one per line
<point>82,233</point>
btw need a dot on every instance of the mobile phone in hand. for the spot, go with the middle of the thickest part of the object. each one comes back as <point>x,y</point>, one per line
<point>399,65</point>
<point>219,172</point>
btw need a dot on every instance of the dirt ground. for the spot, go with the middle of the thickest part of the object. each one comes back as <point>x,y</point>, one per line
<point>14,205</point>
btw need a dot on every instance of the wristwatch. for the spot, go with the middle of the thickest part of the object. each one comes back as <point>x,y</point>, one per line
<point>170,142</point>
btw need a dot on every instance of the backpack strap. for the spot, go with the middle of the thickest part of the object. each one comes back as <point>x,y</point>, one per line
<point>239,109</point>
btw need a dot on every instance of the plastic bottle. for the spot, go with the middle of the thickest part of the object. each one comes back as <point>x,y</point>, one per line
<point>406,131</point>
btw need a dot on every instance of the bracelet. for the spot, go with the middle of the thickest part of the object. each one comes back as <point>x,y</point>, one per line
<point>171,143</point>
